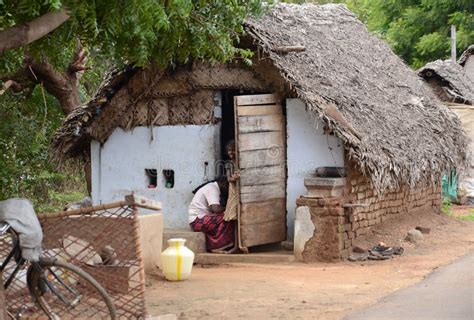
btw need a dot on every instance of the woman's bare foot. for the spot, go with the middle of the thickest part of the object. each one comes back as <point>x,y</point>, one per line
<point>223,249</point>
<point>233,250</point>
<point>219,251</point>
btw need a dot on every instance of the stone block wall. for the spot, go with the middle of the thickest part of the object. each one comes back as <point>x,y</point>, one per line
<point>336,225</point>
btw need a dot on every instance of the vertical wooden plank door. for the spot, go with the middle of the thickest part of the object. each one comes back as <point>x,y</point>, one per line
<point>261,152</point>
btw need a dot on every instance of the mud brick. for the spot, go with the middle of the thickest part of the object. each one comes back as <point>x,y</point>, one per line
<point>340,221</point>
<point>344,254</point>
<point>350,234</point>
<point>347,243</point>
<point>347,227</point>
<point>372,222</point>
<point>336,211</point>
<point>341,229</point>
<point>364,223</point>
<point>361,231</point>
<point>307,202</point>
<point>355,226</point>
<point>319,211</point>
<point>340,245</point>
<point>330,202</point>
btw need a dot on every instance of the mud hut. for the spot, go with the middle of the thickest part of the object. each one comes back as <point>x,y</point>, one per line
<point>449,81</point>
<point>321,91</point>
<point>467,61</point>
<point>453,83</point>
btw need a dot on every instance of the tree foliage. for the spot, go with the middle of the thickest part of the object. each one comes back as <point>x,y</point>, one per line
<point>113,32</point>
<point>419,30</point>
<point>135,31</point>
<point>26,123</point>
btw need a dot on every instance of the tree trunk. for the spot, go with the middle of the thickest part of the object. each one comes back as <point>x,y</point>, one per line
<point>20,36</point>
<point>63,86</point>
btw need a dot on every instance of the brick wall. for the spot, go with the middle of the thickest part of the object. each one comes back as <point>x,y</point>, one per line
<point>337,227</point>
<point>380,208</point>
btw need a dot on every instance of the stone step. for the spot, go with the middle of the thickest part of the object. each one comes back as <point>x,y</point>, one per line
<point>257,258</point>
<point>195,241</point>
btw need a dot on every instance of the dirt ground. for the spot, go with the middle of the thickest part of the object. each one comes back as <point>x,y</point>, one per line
<point>313,291</point>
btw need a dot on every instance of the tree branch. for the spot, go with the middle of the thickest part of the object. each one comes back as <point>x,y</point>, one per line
<point>64,86</point>
<point>23,35</point>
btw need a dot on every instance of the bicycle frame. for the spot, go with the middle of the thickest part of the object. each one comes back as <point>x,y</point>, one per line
<point>14,253</point>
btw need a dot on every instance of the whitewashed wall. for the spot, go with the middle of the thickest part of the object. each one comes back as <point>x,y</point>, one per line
<point>118,167</point>
<point>307,148</point>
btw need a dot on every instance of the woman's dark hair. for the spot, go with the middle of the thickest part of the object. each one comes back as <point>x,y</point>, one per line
<point>219,179</point>
<point>230,145</point>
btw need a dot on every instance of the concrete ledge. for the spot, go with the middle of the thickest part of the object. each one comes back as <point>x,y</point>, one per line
<point>195,241</point>
<point>257,258</point>
<point>151,235</point>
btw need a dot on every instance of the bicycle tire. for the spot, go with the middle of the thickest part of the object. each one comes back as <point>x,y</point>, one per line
<point>97,302</point>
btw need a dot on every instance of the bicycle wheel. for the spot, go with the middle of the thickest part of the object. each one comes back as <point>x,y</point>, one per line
<point>63,290</point>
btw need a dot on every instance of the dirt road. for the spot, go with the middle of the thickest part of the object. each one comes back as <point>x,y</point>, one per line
<point>312,291</point>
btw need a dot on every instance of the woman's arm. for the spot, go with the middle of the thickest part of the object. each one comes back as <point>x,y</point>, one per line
<point>216,208</point>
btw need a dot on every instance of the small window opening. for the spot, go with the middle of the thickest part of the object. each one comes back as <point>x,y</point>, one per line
<point>168,175</point>
<point>152,178</point>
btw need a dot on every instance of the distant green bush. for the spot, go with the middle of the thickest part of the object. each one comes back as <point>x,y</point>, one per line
<point>26,126</point>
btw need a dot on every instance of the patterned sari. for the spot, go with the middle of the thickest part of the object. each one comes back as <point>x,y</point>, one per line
<point>219,233</point>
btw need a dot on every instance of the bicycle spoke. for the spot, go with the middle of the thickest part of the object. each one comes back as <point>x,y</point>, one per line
<point>60,280</point>
<point>55,291</point>
<point>71,293</point>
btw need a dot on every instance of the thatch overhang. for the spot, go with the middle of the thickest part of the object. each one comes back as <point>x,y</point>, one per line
<point>391,123</point>
<point>466,55</point>
<point>451,79</point>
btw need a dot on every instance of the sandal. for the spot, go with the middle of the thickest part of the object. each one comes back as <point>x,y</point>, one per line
<point>358,256</point>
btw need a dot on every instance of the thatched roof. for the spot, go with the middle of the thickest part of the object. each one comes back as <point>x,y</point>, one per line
<point>466,54</point>
<point>452,79</point>
<point>391,123</point>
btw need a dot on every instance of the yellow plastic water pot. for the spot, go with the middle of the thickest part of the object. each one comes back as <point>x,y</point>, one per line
<point>177,260</point>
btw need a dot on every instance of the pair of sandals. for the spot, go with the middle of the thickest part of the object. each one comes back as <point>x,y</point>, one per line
<point>377,253</point>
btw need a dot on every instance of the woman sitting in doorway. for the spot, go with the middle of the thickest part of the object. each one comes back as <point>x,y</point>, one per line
<point>206,214</point>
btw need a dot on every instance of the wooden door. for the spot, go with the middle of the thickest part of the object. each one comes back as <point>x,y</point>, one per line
<point>261,157</point>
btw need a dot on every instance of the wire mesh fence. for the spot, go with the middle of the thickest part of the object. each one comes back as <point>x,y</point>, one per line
<point>103,241</point>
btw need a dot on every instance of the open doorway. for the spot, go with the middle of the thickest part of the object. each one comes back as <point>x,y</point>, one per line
<point>228,117</point>
<point>228,120</point>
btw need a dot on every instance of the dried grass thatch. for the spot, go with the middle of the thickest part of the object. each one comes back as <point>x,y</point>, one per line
<point>466,54</point>
<point>149,97</point>
<point>449,80</point>
<point>392,124</point>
